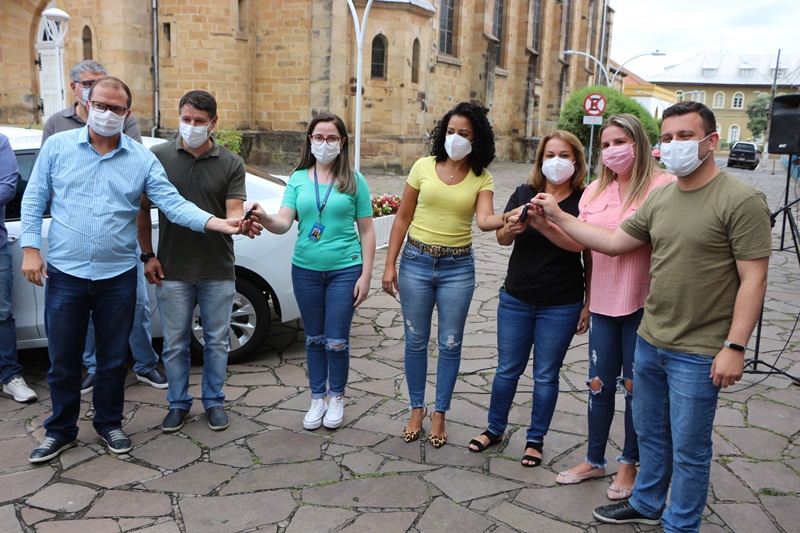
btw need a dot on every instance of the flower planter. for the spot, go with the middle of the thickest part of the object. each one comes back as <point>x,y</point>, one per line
<point>383,227</point>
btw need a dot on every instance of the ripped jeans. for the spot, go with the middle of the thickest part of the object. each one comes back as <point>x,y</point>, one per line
<point>447,282</point>
<point>612,342</point>
<point>325,299</point>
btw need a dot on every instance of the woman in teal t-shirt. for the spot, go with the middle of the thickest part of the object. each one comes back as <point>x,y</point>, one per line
<point>331,264</point>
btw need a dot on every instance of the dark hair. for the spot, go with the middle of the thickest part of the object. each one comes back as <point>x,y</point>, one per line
<point>483,145</point>
<point>200,100</point>
<point>684,108</point>
<point>114,83</point>
<point>342,170</point>
<point>537,179</point>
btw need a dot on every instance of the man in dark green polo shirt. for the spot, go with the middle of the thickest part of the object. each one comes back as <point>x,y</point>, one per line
<point>191,267</point>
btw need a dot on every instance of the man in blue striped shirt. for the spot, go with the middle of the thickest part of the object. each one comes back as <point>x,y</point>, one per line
<point>94,178</point>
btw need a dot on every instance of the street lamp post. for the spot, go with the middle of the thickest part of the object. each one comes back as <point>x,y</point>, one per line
<point>55,25</point>
<point>614,77</point>
<point>360,30</point>
<point>605,72</point>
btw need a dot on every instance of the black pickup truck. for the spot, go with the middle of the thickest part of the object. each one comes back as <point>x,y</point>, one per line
<point>745,155</point>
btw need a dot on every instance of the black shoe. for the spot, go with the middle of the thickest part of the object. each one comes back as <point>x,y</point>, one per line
<point>154,378</point>
<point>50,448</point>
<point>174,420</point>
<point>217,419</point>
<point>87,385</point>
<point>623,513</point>
<point>117,441</point>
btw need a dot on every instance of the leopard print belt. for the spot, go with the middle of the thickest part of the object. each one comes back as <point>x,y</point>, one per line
<point>435,250</point>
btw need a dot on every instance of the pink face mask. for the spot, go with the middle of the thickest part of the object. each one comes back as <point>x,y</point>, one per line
<point>619,158</point>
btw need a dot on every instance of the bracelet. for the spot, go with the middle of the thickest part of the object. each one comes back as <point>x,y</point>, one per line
<point>504,216</point>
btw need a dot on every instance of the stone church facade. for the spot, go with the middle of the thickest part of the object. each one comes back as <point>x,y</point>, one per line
<point>273,64</point>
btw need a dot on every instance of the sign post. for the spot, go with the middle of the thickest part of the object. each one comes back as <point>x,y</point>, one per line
<point>593,105</point>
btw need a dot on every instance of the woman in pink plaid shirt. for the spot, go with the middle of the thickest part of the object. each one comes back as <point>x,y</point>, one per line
<point>616,294</point>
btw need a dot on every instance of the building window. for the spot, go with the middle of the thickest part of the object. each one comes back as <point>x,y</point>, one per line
<point>415,62</point>
<point>738,101</point>
<point>733,134</point>
<point>719,100</point>
<point>592,33</point>
<point>566,17</point>
<point>537,24</point>
<point>709,72</point>
<point>701,97</point>
<point>242,22</point>
<point>379,57</point>
<point>746,72</point>
<point>497,27</point>
<point>446,16</point>
<point>87,43</point>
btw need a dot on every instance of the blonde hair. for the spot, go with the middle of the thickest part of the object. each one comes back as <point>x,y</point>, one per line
<point>643,166</point>
<point>537,179</point>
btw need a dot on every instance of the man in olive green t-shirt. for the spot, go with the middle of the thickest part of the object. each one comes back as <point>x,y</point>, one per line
<point>711,242</point>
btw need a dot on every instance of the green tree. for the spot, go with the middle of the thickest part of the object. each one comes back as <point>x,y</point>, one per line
<point>758,114</point>
<point>571,118</point>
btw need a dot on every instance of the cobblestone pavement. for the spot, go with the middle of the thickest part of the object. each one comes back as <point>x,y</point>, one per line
<point>265,473</point>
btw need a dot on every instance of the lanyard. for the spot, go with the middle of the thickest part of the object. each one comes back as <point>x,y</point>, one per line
<point>316,190</point>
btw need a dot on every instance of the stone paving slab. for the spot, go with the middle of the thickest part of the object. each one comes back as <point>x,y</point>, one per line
<point>266,473</point>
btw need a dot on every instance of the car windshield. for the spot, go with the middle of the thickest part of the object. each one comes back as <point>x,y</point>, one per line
<point>744,147</point>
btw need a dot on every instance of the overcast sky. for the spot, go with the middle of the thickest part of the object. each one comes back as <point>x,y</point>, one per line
<point>684,28</point>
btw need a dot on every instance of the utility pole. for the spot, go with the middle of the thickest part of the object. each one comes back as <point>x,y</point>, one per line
<point>772,98</point>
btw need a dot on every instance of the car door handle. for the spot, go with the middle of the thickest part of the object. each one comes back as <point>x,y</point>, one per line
<point>12,239</point>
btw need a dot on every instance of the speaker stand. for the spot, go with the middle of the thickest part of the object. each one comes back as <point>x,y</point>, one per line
<point>754,361</point>
<point>785,207</point>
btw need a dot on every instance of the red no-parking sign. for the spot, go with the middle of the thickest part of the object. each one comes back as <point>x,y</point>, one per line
<point>594,104</point>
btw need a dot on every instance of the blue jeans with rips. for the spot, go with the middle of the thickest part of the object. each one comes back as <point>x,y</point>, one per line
<point>9,364</point>
<point>145,357</point>
<point>520,327</point>
<point>176,301</point>
<point>448,283</point>
<point>325,299</point>
<point>612,342</point>
<point>68,303</point>
<point>673,414</point>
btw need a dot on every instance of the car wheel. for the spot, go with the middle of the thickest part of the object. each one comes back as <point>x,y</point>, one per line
<point>250,319</point>
<point>729,164</point>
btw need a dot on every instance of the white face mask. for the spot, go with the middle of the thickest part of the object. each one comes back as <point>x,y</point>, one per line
<point>457,147</point>
<point>681,157</point>
<point>558,170</point>
<point>105,123</point>
<point>325,153</point>
<point>84,95</point>
<point>195,136</point>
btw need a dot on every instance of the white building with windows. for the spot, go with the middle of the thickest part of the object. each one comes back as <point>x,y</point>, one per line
<point>727,83</point>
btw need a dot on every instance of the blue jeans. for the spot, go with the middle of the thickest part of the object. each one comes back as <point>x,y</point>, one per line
<point>68,303</point>
<point>673,414</point>
<point>325,300</point>
<point>176,301</point>
<point>141,342</point>
<point>612,342</point>
<point>9,365</point>
<point>447,282</point>
<point>520,326</point>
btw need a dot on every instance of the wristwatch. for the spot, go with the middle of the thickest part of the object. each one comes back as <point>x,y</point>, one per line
<point>734,346</point>
<point>145,257</point>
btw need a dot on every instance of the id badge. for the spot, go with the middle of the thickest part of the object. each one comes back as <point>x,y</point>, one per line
<point>316,232</point>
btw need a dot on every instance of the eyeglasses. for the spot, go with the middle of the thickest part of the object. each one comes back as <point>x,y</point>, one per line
<point>86,84</point>
<point>319,139</point>
<point>101,106</point>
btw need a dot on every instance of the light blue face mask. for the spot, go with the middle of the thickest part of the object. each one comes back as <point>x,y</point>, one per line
<point>680,157</point>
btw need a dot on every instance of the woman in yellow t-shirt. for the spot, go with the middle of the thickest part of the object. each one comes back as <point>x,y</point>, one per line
<point>442,194</point>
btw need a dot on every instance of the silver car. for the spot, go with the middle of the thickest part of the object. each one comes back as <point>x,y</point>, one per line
<point>263,265</point>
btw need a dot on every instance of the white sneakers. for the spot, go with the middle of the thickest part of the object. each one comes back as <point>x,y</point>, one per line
<point>313,418</point>
<point>19,390</point>
<point>335,413</point>
<point>330,415</point>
